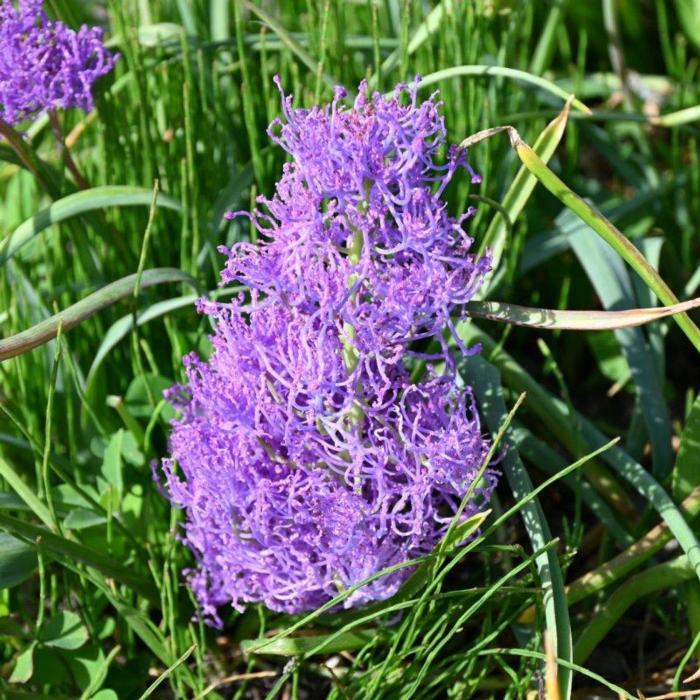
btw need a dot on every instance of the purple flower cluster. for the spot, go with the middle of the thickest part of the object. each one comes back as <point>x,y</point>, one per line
<point>44,64</point>
<point>305,457</point>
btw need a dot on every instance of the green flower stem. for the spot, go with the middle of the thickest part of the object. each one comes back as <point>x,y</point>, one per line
<point>350,355</point>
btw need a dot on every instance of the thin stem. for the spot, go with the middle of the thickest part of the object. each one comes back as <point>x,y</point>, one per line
<point>27,157</point>
<point>55,122</point>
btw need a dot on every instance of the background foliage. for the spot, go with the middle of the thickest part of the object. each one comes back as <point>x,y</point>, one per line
<point>91,597</point>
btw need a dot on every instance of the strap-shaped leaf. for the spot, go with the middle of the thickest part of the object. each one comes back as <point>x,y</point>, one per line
<point>519,193</point>
<point>503,72</point>
<point>79,203</point>
<point>556,319</point>
<point>486,382</point>
<point>595,219</point>
<point>46,330</point>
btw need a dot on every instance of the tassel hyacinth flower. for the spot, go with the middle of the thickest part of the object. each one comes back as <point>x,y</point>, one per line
<point>45,65</point>
<point>304,457</point>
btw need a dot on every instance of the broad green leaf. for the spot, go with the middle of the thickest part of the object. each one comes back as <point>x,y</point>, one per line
<point>24,665</point>
<point>609,358</point>
<point>613,285</point>
<point>140,392</point>
<point>105,694</point>
<point>65,630</point>
<point>688,12</point>
<point>50,667</point>
<point>81,518</point>
<point>112,463</point>
<point>76,204</point>
<point>686,473</point>
<point>89,667</point>
<point>18,561</point>
<point>46,330</point>
<point>131,452</point>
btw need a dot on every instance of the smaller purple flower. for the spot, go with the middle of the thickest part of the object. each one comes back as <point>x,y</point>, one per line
<point>44,64</point>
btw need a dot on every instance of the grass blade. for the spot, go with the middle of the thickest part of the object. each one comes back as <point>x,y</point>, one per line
<point>62,549</point>
<point>163,676</point>
<point>26,493</point>
<point>427,27</point>
<point>657,578</point>
<point>486,382</point>
<point>288,40</point>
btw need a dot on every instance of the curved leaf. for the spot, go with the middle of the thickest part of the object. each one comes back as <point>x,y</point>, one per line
<point>557,319</point>
<point>519,192</point>
<point>686,473</point>
<point>17,561</point>
<point>46,330</point>
<point>65,630</point>
<point>663,576</point>
<point>503,72</point>
<point>79,203</point>
<point>606,230</point>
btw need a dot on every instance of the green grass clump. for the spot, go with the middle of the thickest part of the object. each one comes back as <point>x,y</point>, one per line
<point>591,545</point>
